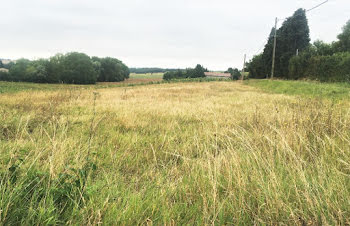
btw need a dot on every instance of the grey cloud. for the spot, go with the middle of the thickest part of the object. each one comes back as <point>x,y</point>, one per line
<point>160,33</point>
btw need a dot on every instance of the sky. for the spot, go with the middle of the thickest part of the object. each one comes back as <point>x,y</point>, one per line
<point>157,33</point>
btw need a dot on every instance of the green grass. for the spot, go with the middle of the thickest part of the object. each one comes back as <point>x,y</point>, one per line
<point>178,153</point>
<point>14,87</point>
<point>303,88</point>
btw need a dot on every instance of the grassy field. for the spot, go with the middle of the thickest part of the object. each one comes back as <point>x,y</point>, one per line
<point>305,89</point>
<point>146,76</point>
<point>175,153</point>
<point>135,79</point>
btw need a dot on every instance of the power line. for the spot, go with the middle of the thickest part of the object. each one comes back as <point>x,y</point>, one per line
<point>262,46</point>
<point>308,10</point>
<point>317,6</point>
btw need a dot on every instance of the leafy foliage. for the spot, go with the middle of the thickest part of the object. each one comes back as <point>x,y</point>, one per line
<point>197,72</point>
<point>235,74</point>
<point>320,61</point>
<point>344,39</point>
<point>71,68</point>
<point>110,69</point>
<point>292,36</point>
<point>257,67</point>
<point>325,68</point>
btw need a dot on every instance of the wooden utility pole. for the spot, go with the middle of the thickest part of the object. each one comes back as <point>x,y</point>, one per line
<point>274,51</point>
<point>243,71</point>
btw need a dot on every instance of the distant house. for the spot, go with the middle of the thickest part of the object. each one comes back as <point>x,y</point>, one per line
<point>7,61</point>
<point>217,75</point>
<point>4,69</point>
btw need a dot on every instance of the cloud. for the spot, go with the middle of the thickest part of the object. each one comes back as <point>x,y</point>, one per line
<point>160,33</point>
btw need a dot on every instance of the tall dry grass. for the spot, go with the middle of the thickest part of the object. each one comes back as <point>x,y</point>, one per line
<point>192,153</point>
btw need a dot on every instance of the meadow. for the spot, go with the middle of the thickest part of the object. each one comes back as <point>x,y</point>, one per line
<point>198,153</point>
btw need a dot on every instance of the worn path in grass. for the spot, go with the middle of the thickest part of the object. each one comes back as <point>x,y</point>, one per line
<point>219,153</point>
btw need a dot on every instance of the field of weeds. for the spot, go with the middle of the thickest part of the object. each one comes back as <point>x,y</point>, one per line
<point>177,153</point>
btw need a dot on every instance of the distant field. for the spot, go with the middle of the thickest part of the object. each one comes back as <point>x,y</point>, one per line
<point>147,76</point>
<point>138,79</point>
<point>185,153</point>
<point>11,87</point>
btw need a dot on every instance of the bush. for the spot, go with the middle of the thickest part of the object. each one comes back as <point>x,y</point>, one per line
<point>4,76</point>
<point>331,68</point>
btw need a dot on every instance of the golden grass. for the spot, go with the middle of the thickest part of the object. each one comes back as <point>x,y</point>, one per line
<point>183,153</point>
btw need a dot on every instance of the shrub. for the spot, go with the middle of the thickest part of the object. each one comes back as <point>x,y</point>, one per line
<point>331,68</point>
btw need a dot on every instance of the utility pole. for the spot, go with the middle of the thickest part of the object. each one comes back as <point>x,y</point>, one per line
<point>274,50</point>
<point>245,55</point>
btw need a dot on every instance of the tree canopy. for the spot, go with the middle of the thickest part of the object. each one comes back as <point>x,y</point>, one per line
<point>293,35</point>
<point>344,38</point>
<point>197,72</point>
<point>74,67</point>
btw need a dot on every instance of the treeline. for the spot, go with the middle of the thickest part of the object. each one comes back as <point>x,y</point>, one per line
<point>197,72</point>
<point>70,68</point>
<point>296,58</point>
<point>150,70</point>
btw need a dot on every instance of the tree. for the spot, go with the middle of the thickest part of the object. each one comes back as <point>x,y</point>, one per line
<point>265,70</point>
<point>18,70</point>
<point>9,65</point>
<point>293,35</point>
<point>343,45</point>
<point>37,71</point>
<point>1,64</point>
<point>55,69</point>
<point>198,72</point>
<point>235,74</point>
<point>110,69</point>
<point>257,67</point>
<point>78,69</point>
<point>322,48</point>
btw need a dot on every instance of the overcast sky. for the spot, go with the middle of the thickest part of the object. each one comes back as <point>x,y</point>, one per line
<point>156,33</point>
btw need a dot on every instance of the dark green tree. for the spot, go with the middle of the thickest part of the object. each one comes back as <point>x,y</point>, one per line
<point>235,74</point>
<point>110,69</point>
<point>267,56</point>
<point>78,69</point>
<point>1,64</point>
<point>322,48</point>
<point>293,35</point>
<point>18,70</point>
<point>55,69</point>
<point>343,45</point>
<point>198,72</point>
<point>257,67</point>
<point>37,71</point>
<point>9,65</point>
